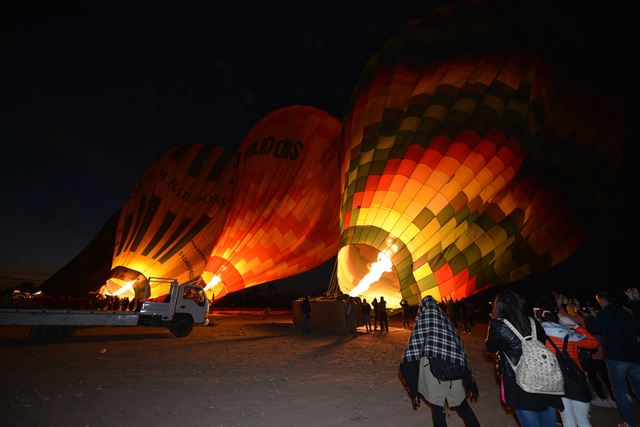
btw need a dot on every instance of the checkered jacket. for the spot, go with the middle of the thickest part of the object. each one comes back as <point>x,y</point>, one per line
<point>434,335</point>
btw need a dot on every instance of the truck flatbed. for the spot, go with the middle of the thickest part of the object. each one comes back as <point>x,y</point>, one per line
<point>61,317</point>
<point>184,306</point>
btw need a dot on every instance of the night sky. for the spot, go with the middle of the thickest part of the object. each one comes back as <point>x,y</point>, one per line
<point>97,94</point>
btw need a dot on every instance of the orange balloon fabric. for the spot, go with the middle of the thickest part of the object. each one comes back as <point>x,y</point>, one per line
<point>284,214</point>
<point>174,215</point>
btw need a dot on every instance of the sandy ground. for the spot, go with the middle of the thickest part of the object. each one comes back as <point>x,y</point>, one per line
<point>241,371</point>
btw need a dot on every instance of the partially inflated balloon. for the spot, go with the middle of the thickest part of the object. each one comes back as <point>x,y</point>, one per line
<point>173,217</point>
<point>87,270</point>
<point>284,214</point>
<point>470,159</point>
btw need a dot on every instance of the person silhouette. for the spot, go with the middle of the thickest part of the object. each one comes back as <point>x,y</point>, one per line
<point>366,314</point>
<point>405,313</point>
<point>305,307</point>
<point>351,317</point>
<point>376,313</point>
<point>382,315</point>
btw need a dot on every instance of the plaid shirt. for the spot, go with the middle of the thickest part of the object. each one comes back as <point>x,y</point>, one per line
<point>434,335</point>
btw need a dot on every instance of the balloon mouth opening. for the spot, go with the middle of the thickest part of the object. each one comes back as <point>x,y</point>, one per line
<point>124,283</point>
<point>221,278</point>
<point>366,272</point>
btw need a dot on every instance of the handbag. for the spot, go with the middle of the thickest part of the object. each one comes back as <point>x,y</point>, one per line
<point>586,358</point>
<point>444,370</point>
<point>576,386</point>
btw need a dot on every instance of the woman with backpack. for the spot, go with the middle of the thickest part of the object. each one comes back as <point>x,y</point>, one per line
<point>532,409</point>
<point>576,410</point>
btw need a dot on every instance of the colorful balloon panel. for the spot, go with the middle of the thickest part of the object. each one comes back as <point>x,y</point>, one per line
<point>526,229</point>
<point>467,161</point>
<point>284,215</point>
<point>174,215</point>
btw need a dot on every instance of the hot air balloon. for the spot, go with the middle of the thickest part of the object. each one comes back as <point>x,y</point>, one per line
<point>471,158</point>
<point>172,219</point>
<point>87,270</point>
<point>283,218</point>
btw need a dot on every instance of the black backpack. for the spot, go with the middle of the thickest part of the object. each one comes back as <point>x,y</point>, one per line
<point>576,386</point>
<point>445,370</point>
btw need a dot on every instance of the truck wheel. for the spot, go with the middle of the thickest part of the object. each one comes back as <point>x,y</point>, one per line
<point>181,326</point>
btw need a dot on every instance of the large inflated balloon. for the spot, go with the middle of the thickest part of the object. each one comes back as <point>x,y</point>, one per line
<point>471,159</point>
<point>87,270</point>
<point>284,214</point>
<point>173,217</point>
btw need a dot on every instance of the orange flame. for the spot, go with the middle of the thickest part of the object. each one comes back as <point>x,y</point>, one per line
<point>128,286</point>
<point>383,265</point>
<point>214,281</point>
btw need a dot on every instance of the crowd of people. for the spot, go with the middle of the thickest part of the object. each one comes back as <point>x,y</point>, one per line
<point>459,312</point>
<point>600,337</point>
<point>92,301</point>
<point>377,307</point>
<point>602,340</point>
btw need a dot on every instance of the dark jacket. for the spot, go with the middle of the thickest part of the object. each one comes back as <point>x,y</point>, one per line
<point>502,340</point>
<point>305,307</point>
<point>366,309</point>
<point>617,326</point>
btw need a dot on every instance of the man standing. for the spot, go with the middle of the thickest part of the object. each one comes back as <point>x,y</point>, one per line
<point>376,314</point>
<point>351,317</point>
<point>305,307</point>
<point>382,315</point>
<point>622,356</point>
<point>405,313</point>
<point>366,314</point>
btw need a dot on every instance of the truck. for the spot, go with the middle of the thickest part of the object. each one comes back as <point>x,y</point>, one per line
<point>184,306</point>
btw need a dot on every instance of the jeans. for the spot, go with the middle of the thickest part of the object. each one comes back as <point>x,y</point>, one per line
<point>384,323</point>
<point>594,368</point>
<point>619,372</point>
<point>367,322</point>
<point>546,418</point>
<point>575,413</point>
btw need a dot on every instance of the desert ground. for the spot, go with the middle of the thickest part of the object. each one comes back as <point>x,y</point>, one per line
<point>242,370</point>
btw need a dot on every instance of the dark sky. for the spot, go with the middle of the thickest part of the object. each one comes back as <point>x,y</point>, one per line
<point>97,94</point>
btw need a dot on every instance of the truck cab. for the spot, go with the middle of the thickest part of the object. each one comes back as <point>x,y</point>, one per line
<point>182,307</point>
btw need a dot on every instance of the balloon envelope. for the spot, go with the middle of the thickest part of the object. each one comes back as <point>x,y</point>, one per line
<point>284,214</point>
<point>87,270</point>
<point>173,217</point>
<point>470,160</point>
